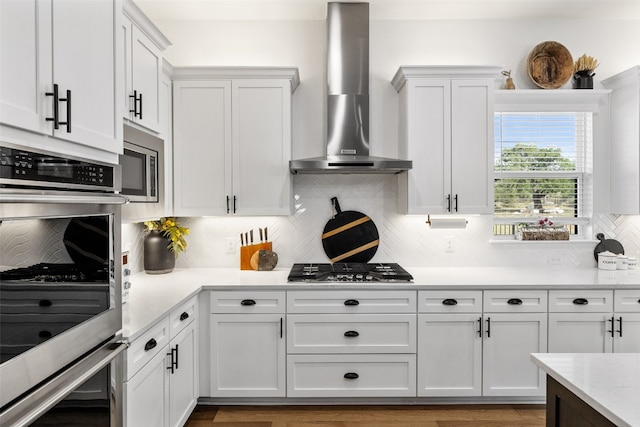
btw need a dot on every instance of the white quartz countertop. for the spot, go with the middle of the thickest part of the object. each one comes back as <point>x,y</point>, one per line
<point>609,382</point>
<point>154,295</point>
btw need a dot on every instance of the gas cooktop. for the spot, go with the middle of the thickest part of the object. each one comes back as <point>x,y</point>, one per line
<point>349,272</point>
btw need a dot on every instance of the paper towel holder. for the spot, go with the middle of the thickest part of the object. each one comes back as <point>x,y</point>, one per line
<point>446,222</point>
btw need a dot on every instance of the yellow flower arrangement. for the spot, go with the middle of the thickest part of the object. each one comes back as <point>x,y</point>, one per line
<point>170,228</point>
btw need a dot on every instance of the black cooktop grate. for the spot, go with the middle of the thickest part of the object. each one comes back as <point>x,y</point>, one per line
<point>51,272</point>
<point>349,272</point>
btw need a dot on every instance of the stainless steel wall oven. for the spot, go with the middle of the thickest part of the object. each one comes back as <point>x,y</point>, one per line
<point>60,290</point>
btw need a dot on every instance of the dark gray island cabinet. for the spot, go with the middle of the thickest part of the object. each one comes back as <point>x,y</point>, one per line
<point>591,390</point>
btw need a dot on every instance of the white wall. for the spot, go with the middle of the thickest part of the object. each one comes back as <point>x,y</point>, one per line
<point>404,239</point>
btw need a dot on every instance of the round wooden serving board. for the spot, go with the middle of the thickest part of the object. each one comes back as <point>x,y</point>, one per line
<point>550,65</point>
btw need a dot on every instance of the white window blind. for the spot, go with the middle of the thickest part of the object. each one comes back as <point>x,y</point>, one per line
<point>542,168</point>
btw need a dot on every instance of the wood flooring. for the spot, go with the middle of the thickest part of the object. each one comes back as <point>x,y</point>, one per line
<point>369,416</point>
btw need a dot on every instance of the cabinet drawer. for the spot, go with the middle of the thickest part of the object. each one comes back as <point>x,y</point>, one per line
<point>515,301</point>
<point>145,347</point>
<point>351,333</point>
<point>627,301</point>
<point>351,375</point>
<point>247,302</point>
<point>589,301</point>
<point>182,316</point>
<point>450,301</point>
<point>351,302</point>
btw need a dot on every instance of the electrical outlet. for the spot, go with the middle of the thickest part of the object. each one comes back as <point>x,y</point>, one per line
<point>231,245</point>
<point>555,259</point>
<point>450,248</point>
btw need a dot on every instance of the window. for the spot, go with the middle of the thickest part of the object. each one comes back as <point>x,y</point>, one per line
<point>542,168</point>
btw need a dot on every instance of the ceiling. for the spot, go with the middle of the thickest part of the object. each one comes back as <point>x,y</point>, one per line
<point>159,10</point>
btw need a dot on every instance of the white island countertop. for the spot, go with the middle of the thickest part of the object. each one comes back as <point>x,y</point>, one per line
<point>154,295</point>
<point>608,382</point>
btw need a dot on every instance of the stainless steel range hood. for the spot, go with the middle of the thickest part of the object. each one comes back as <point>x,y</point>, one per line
<point>348,98</point>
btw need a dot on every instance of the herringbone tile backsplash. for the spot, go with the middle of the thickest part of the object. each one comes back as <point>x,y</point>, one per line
<point>405,239</point>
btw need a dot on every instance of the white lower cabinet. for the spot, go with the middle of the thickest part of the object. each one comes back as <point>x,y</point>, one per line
<point>594,321</point>
<point>351,343</point>
<point>161,377</point>
<point>515,325</point>
<point>449,343</point>
<point>247,349</point>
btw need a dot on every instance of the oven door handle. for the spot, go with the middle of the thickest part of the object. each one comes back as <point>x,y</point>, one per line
<point>38,402</point>
<point>97,199</point>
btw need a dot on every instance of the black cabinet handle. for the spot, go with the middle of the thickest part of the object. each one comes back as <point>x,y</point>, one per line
<point>68,101</point>
<point>619,331</point>
<point>352,302</point>
<point>45,303</point>
<point>235,199</point>
<point>140,112</point>
<point>150,344</point>
<point>449,301</point>
<point>281,327</point>
<point>45,334</point>
<point>611,331</point>
<point>184,316</point>
<point>135,103</point>
<point>176,362</point>
<point>351,334</point>
<point>449,203</point>
<point>171,366</point>
<point>227,204</point>
<point>248,302</point>
<point>456,205</point>
<point>351,376</point>
<point>488,327</point>
<point>480,326</point>
<point>56,112</point>
<point>581,301</point>
<point>514,301</point>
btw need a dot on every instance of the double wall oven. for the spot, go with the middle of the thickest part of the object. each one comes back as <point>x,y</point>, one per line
<point>60,297</point>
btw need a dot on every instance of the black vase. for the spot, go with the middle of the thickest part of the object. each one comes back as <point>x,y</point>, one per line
<point>583,81</point>
<point>158,259</point>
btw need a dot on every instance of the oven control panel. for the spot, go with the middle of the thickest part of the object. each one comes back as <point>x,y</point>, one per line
<point>29,168</point>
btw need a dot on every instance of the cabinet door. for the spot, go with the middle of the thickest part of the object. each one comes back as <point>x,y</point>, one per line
<point>25,65</point>
<point>183,382</point>
<point>202,147</point>
<point>428,122</point>
<point>580,333</point>
<point>261,146</point>
<point>248,355</point>
<point>85,62</point>
<point>146,69</point>
<point>146,394</point>
<point>509,340</point>
<point>472,146</point>
<point>449,354</point>
<point>627,333</point>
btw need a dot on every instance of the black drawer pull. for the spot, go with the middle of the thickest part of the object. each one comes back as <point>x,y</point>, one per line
<point>514,301</point>
<point>248,302</point>
<point>449,301</point>
<point>351,376</point>
<point>184,316</point>
<point>352,302</point>
<point>45,334</point>
<point>45,303</point>
<point>351,334</point>
<point>150,344</point>
<point>581,301</point>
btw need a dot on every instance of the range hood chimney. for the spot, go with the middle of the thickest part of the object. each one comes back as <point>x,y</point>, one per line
<point>348,98</point>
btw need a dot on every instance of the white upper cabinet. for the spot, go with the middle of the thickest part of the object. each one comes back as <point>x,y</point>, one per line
<point>232,140</point>
<point>59,74</point>
<point>143,46</point>
<point>446,129</point>
<point>625,141</point>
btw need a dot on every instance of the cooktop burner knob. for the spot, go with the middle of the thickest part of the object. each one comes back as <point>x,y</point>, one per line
<point>359,277</point>
<point>368,278</point>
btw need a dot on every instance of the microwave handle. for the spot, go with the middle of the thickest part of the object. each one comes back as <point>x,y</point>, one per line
<point>96,199</point>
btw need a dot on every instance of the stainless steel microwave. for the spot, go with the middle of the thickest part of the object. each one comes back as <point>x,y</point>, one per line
<point>142,166</point>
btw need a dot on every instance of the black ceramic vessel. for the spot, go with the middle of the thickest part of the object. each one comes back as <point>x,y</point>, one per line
<point>158,259</point>
<point>583,80</point>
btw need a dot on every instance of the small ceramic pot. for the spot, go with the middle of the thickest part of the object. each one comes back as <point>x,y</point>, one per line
<point>607,260</point>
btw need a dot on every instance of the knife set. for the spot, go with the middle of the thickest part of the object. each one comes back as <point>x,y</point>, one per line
<point>258,256</point>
